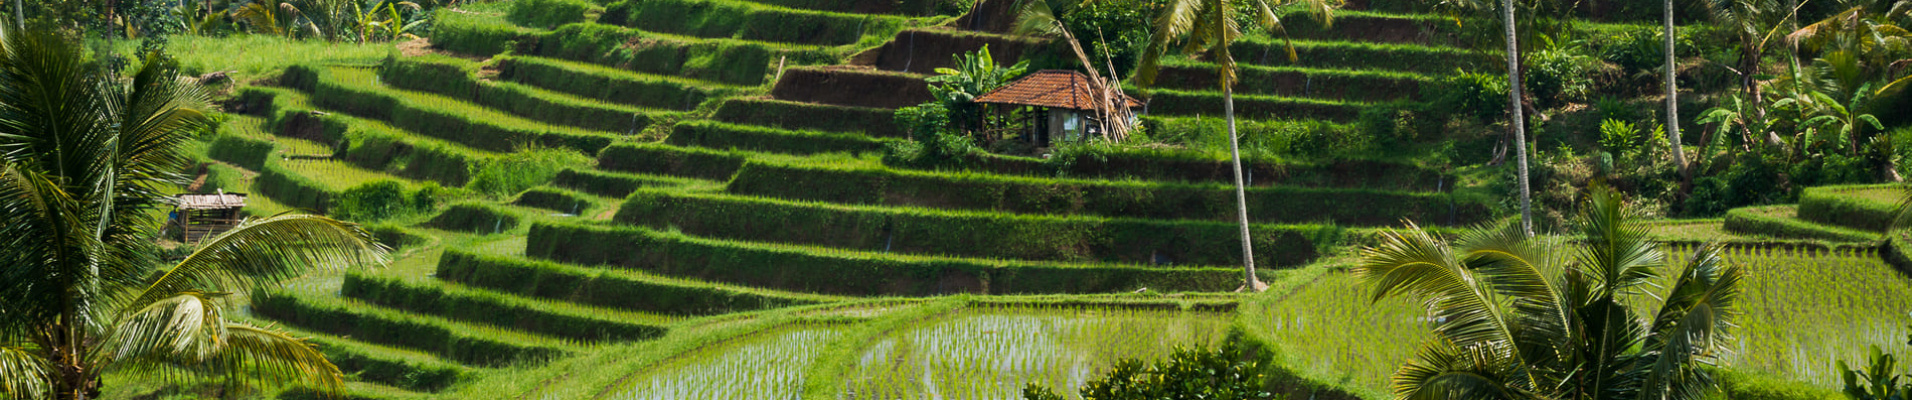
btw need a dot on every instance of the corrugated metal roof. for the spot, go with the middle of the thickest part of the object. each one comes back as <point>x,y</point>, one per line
<point>212,201</point>
<point>1051,88</point>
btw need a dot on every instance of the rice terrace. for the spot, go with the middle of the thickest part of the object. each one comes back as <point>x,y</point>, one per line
<point>956,199</point>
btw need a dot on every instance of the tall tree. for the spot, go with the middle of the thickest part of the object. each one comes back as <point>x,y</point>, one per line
<point>1552,318</point>
<point>1209,27</point>
<point>1755,23</point>
<point>1517,117</point>
<point>86,158</point>
<point>1673,97</point>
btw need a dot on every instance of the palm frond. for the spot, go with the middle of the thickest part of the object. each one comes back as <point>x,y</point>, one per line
<point>267,250</point>
<point>1416,264</point>
<point>244,353</point>
<point>188,327</point>
<point>1443,370</point>
<point>1692,328</point>
<point>23,374</point>
<point>1618,253</point>
<point>1176,20</point>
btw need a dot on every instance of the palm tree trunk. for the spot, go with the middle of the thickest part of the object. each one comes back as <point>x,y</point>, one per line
<point>1673,99</point>
<point>1250,282</point>
<point>1518,120</point>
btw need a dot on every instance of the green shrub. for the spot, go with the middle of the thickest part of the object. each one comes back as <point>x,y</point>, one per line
<point>850,273</point>
<point>601,83</point>
<point>602,288</point>
<point>1777,221</point>
<point>1477,95</point>
<point>396,329</point>
<point>670,160</point>
<point>548,14</point>
<point>875,122</point>
<point>372,201</point>
<point>511,173</point>
<point>476,217</point>
<point>1280,204</point>
<point>490,309</point>
<point>934,142</point>
<point>970,234</point>
<point>610,184</point>
<point>1225,373</point>
<point>718,135</point>
<point>1737,385</point>
<point>244,152</point>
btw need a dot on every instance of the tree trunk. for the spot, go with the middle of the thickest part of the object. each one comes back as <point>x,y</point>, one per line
<point>1250,282</point>
<point>1517,120</point>
<point>1673,98</point>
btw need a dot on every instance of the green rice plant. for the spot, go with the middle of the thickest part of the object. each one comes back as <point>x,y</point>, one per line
<point>560,200</point>
<point>608,84</point>
<point>875,122</point>
<point>609,288</point>
<point>850,272</point>
<point>485,307</point>
<point>765,365</point>
<point>1332,84</point>
<point>1861,207</point>
<point>1333,331</point>
<point>357,91</point>
<point>612,184</point>
<point>477,33</point>
<point>1340,54</point>
<point>992,352</point>
<point>466,344</point>
<point>249,57</point>
<point>400,368</point>
<point>719,135</point>
<point>749,21</point>
<point>1783,222</point>
<point>1802,311</point>
<point>525,168</point>
<point>728,61</point>
<point>1175,102</point>
<point>458,79</point>
<point>547,14</point>
<point>1132,199</point>
<point>292,188</point>
<point>659,159</point>
<point>974,234</point>
<point>248,153</point>
<point>476,217</point>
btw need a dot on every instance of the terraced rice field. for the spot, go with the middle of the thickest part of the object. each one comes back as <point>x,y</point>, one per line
<point>1802,313</point>
<point>993,352</point>
<point>768,365</point>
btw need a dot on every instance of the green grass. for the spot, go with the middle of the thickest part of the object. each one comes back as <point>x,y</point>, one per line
<point>469,344</point>
<point>357,91</point>
<point>334,174</point>
<point>545,317</point>
<point>1783,222</point>
<point>1332,330</point>
<point>993,351</point>
<point>251,57</point>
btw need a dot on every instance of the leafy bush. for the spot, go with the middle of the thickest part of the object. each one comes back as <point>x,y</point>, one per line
<point>384,199</point>
<point>519,170</point>
<point>933,142</point>
<point>1481,96</point>
<point>1225,373</point>
<point>1560,75</point>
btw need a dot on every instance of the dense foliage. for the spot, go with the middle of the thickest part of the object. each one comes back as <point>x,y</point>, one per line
<point>1224,373</point>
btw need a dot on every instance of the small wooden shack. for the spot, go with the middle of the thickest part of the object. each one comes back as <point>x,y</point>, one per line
<point>198,216</point>
<point>1066,98</point>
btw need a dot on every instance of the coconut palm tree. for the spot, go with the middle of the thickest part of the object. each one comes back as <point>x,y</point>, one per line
<point>85,161</point>
<point>1517,119</point>
<point>1538,318</point>
<point>1209,27</point>
<point>1673,97</point>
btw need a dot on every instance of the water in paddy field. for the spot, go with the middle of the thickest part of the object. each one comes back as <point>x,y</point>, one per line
<point>762,366</point>
<point>992,353</point>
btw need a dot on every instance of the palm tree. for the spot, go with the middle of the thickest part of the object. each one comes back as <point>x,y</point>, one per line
<point>1755,23</point>
<point>1209,26</point>
<point>1526,318</point>
<point>1673,97</point>
<point>85,160</point>
<point>1518,120</point>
